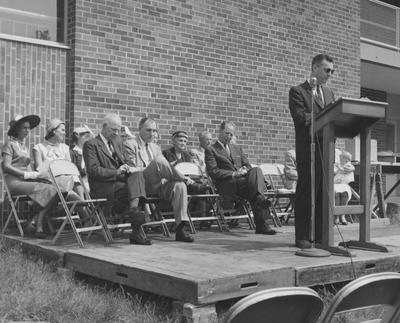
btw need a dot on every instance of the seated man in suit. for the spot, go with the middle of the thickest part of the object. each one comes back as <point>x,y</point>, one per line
<point>233,175</point>
<point>161,179</point>
<point>111,175</point>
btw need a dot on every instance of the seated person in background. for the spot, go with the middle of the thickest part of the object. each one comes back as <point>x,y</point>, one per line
<point>20,179</point>
<point>112,175</point>
<point>178,154</point>
<point>126,133</point>
<point>161,178</point>
<point>233,175</point>
<point>198,154</point>
<point>290,169</point>
<point>54,148</point>
<point>79,136</point>
<point>344,174</point>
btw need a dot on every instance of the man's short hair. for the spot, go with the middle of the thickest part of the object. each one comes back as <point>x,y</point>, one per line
<point>321,57</point>
<point>224,124</point>
<point>111,118</point>
<point>144,120</point>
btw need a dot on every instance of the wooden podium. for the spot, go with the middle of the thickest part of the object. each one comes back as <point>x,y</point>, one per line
<point>346,118</point>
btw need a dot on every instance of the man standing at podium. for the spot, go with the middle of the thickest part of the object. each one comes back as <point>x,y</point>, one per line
<point>312,91</point>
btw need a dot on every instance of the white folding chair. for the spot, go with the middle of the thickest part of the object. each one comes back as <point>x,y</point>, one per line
<point>194,171</point>
<point>93,207</point>
<point>277,192</point>
<point>16,203</point>
<point>381,289</point>
<point>277,305</point>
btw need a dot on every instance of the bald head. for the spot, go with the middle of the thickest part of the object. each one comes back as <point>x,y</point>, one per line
<point>111,125</point>
<point>205,138</point>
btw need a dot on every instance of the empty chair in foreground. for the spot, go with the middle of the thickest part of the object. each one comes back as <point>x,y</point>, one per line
<point>277,305</point>
<point>368,291</point>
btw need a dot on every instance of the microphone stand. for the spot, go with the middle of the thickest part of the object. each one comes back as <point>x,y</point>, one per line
<point>312,252</point>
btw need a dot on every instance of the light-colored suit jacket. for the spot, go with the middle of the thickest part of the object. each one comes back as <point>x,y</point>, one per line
<point>136,151</point>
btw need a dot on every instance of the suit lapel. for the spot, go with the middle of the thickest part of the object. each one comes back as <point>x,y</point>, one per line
<point>222,149</point>
<point>141,151</point>
<point>318,103</point>
<point>105,149</point>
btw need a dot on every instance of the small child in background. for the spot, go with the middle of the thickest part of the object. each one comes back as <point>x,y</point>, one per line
<point>344,174</point>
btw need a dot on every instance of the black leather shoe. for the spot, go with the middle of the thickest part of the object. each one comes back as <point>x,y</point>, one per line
<point>139,239</point>
<point>303,244</point>
<point>183,236</point>
<point>265,229</point>
<point>136,216</point>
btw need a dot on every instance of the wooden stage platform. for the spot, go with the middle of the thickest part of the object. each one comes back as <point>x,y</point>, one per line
<point>220,266</point>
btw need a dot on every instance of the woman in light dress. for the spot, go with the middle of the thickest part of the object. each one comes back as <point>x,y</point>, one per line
<point>20,178</point>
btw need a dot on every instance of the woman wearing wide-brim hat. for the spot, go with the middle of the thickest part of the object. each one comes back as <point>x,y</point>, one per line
<point>19,177</point>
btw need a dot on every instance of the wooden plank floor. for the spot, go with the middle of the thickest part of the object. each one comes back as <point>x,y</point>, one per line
<point>220,266</point>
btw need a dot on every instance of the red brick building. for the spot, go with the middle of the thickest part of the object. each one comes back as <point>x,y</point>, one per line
<point>187,63</point>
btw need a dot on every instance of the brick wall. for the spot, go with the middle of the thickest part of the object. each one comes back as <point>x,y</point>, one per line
<point>32,81</point>
<point>190,64</point>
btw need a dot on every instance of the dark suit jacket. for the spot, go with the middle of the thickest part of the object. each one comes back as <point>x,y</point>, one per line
<point>220,166</point>
<point>300,108</point>
<point>169,155</point>
<point>102,168</point>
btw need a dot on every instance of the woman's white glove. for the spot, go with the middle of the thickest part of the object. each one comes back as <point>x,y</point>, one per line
<point>31,175</point>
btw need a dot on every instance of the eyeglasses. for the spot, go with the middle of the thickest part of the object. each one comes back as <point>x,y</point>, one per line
<point>329,70</point>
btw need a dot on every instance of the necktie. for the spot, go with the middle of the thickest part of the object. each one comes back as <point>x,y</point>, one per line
<point>114,155</point>
<point>319,95</point>
<point>148,152</point>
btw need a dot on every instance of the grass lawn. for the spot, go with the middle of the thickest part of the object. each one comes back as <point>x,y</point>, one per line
<point>33,291</point>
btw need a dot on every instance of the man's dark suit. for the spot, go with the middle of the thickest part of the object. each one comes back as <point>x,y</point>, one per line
<point>102,169</point>
<point>221,166</point>
<point>300,108</point>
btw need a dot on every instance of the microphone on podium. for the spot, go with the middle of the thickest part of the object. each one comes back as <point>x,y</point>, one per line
<point>313,84</point>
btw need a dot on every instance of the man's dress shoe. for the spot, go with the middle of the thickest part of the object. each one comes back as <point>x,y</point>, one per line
<point>265,229</point>
<point>183,236</point>
<point>139,239</point>
<point>303,244</point>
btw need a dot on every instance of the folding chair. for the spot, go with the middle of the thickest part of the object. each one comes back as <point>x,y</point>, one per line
<point>289,190</point>
<point>381,289</point>
<point>277,192</point>
<point>240,209</point>
<point>194,172</point>
<point>15,202</point>
<point>61,167</point>
<point>277,305</point>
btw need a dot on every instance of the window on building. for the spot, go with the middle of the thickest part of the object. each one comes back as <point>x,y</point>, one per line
<point>40,19</point>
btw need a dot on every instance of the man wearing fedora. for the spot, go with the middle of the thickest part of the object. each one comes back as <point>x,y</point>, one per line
<point>161,178</point>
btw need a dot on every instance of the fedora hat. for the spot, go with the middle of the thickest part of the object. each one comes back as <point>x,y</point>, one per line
<point>18,119</point>
<point>82,130</point>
